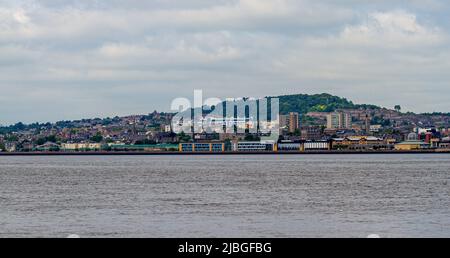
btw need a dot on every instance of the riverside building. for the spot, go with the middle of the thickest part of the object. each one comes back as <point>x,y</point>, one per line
<point>255,146</point>
<point>412,143</point>
<point>201,147</point>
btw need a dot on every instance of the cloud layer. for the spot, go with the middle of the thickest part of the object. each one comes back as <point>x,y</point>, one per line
<point>60,59</point>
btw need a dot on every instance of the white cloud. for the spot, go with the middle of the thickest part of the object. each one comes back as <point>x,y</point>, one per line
<point>396,30</point>
<point>21,17</point>
<point>392,29</point>
<point>71,22</point>
<point>193,49</point>
<point>388,58</point>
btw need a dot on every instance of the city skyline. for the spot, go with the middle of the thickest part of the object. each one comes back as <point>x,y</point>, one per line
<point>363,106</point>
<point>106,58</point>
<point>169,111</point>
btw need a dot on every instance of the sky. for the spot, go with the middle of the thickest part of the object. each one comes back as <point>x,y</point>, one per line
<point>65,59</point>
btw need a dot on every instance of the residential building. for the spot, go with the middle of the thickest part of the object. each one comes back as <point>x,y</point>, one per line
<point>167,128</point>
<point>293,122</point>
<point>375,128</point>
<point>290,122</point>
<point>11,146</point>
<point>445,143</point>
<point>339,120</point>
<point>284,123</point>
<point>367,124</point>
<point>311,133</point>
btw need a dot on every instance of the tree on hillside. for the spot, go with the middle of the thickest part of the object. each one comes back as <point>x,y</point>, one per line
<point>398,108</point>
<point>97,138</point>
<point>303,103</point>
<point>43,140</point>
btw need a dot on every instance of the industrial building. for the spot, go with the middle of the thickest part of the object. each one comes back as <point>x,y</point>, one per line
<point>412,143</point>
<point>144,147</point>
<point>290,146</point>
<point>202,147</point>
<point>316,145</point>
<point>360,143</point>
<point>255,146</point>
<point>304,146</point>
<point>80,146</point>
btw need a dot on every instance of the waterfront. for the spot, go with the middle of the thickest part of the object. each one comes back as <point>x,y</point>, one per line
<point>404,195</point>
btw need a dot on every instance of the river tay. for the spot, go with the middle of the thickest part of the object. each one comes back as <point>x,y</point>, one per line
<point>225,196</point>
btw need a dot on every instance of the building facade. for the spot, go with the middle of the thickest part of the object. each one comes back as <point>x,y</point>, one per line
<point>254,146</point>
<point>290,122</point>
<point>412,142</point>
<point>316,145</point>
<point>293,122</point>
<point>339,120</point>
<point>80,146</point>
<point>289,146</point>
<point>202,147</point>
<point>445,143</point>
<point>311,133</point>
<point>359,143</point>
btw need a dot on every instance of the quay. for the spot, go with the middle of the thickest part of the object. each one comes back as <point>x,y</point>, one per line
<point>176,153</point>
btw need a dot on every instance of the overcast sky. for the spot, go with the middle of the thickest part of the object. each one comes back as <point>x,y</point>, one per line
<point>60,59</point>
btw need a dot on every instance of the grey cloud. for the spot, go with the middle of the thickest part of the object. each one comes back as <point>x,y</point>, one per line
<point>101,58</point>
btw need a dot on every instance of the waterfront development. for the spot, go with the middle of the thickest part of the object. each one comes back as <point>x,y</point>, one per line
<point>225,196</point>
<point>341,127</point>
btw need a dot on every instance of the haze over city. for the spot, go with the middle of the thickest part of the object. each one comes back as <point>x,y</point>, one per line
<point>65,60</point>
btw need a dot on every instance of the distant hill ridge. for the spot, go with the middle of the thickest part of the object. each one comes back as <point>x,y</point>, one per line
<point>304,103</point>
<point>301,103</point>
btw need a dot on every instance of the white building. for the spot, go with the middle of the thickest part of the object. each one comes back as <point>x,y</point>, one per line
<point>317,145</point>
<point>80,146</point>
<point>375,128</point>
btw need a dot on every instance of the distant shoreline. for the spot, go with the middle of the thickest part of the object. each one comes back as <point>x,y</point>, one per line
<point>167,153</point>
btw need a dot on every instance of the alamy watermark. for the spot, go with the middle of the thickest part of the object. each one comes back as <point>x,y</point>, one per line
<point>258,116</point>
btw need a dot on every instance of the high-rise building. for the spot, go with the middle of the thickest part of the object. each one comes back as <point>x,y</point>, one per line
<point>284,122</point>
<point>290,122</point>
<point>293,122</point>
<point>339,120</point>
<point>367,122</point>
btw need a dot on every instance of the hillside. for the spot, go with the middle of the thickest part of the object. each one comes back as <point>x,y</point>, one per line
<point>301,103</point>
<point>304,103</point>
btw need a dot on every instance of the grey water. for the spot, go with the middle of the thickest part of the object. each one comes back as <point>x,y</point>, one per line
<point>226,196</point>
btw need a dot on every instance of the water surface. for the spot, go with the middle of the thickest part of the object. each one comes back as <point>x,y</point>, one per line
<point>226,196</point>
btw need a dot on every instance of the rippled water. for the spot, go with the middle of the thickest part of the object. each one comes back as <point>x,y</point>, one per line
<point>226,196</point>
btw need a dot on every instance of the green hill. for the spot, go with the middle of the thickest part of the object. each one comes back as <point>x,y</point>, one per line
<point>304,103</point>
